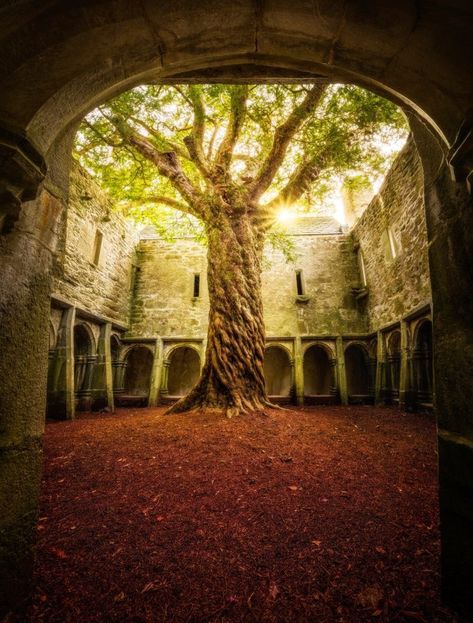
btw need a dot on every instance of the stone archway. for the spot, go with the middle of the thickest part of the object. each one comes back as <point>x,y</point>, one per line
<point>357,372</point>
<point>319,376</point>
<point>137,378</point>
<point>278,374</point>
<point>97,49</point>
<point>184,370</point>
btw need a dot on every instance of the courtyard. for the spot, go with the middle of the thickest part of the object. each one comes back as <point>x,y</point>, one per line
<point>326,514</point>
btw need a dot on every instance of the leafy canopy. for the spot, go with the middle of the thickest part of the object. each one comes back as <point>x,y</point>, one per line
<point>352,133</point>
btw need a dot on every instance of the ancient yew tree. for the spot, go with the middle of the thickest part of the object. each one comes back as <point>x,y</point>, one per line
<point>231,156</point>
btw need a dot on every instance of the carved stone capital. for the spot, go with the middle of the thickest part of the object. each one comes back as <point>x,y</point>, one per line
<point>22,169</point>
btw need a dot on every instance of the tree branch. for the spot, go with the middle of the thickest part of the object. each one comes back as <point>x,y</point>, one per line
<point>300,181</point>
<point>166,163</point>
<point>282,138</point>
<point>169,201</point>
<point>238,97</point>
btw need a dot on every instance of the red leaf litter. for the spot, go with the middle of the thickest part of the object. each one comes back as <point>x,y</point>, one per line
<point>321,514</point>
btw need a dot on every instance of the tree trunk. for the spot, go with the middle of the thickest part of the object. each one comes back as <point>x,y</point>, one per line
<point>232,378</point>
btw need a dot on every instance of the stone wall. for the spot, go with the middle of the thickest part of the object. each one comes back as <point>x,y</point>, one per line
<point>164,304</point>
<point>329,269</point>
<point>101,287</point>
<point>394,225</point>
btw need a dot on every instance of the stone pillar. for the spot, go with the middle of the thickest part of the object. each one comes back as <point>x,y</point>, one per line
<point>164,378</point>
<point>378,386</point>
<point>404,368</point>
<point>64,403</point>
<point>156,374</point>
<point>102,383</point>
<point>333,377</point>
<point>449,219</point>
<point>26,253</point>
<point>105,337</point>
<point>342,376</point>
<point>84,394</point>
<point>299,371</point>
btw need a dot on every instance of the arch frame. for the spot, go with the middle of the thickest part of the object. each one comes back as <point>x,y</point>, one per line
<point>326,345</point>
<point>87,327</point>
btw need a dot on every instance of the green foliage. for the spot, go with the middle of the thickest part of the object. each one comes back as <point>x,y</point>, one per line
<point>351,131</point>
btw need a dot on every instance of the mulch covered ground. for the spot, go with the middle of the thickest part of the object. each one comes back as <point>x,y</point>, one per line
<point>322,514</point>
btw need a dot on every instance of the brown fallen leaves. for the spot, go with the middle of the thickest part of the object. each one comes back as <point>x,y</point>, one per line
<point>325,514</point>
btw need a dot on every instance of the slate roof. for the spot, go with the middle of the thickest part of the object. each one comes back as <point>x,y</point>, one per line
<point>302,225</point>
<point>312,226</point>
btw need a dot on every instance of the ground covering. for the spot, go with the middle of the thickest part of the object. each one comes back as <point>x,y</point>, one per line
<point>324,514</point>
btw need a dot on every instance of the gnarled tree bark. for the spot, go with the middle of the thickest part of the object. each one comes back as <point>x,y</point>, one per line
<point>232,377</point>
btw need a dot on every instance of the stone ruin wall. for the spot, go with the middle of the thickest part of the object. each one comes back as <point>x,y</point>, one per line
<point>165,306</point>
<point>103,289</point>
<point>396,286</point>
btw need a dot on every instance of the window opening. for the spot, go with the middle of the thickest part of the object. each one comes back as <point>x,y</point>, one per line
<point>299,283</point>
<point>196,285</point>
<point>97,247</point>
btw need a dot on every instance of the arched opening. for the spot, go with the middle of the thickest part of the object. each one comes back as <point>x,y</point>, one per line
<point>138,366</point>
<point>84,361</point>
<point>422,365</point>
<point>319,376</point>
<point>357,373</point>
<point>393,367</point>
<point>404,63</point>
<point>184,370</point>
<point>278,374</point>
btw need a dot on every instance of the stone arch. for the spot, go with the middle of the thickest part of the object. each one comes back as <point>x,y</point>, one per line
<point>104,48</point>
<point>319,374</point>
<point>138,361</point>
<point>184,369</point>
<point>52,336</point>
<point>137,45</point>
<point>115,347</point>
<point>357,372</point>
<point>278,372</point>
<point>422,363</point>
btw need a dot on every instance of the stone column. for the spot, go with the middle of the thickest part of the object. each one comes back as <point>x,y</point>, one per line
<point>26,253</point>
<point>404,369</point>
<point>299,371</point>
<point>84,394</point>
<point>342,376</point>
<point>333,377</point>
<point>102,383</point>
<point>164,378</point>
<point>449,218</point>
<point>378,386</point>
<point>156,374</point>
<point>65,404</point>
<point>106,334</point>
